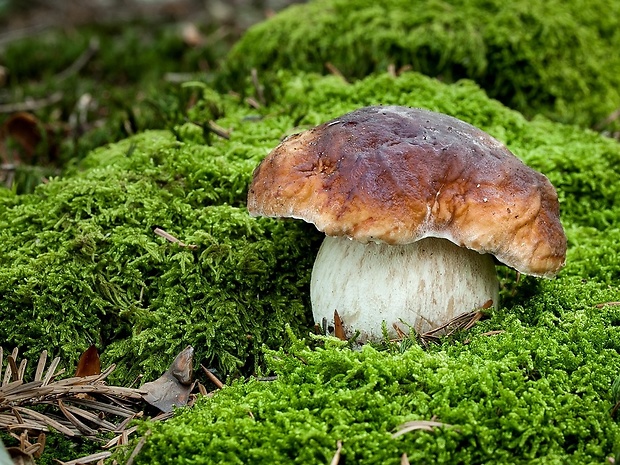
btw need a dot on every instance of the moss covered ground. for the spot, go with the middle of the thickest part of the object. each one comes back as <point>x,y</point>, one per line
<point>80,263</point>
<point>538,392</point>
<point>555,57</point>
<point>88,86</point>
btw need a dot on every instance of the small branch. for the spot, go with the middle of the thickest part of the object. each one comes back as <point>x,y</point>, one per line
<point>88,459</point>
<point>170,238</point>
<point>610,119</point>
<point>424,425</point>
<point>212,377</point>
<point>218,130</point>
<point>391,70</point>
<point>31,105</point>
<point>336,458</point>
<point>605,304</point>
<point>252,102</point>
<point>335,71</point>
<point>259,89</point>
<point>80,62</point>
<point>138,448</point>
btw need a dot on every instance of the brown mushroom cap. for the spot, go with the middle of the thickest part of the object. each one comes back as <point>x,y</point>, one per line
<point>396,175</point>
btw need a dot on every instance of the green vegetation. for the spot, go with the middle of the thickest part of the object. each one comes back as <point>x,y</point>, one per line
<point>534,394</point>
<point>556,57</point>
<point>79,263</point>
<point>90,86</point>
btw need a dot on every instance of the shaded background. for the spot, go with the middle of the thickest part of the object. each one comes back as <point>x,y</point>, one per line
<point>75,75</point>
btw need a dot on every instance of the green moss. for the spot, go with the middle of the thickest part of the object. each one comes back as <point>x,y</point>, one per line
<point>80,264</point>
<point>538,392</point>
<point>533,394</point>
<point>556,57</point>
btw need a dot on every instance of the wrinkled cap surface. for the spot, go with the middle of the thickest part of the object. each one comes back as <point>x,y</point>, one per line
<point>396,175</point>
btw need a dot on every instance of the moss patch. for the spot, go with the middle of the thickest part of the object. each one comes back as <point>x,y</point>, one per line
<point>79,263</point>
<point>538,392</point>
<point>534,394</point>
<point>557,57</point>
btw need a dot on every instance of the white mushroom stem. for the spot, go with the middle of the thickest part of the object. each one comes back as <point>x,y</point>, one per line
<point>421,286</point>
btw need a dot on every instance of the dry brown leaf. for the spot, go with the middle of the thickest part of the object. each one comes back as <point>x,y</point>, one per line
<point>338,327</point>
<point>172,389</point>
<point>89,363</point>
<point>26,130</point>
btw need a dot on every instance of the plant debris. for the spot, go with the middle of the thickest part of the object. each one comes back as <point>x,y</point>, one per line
<point>416,425</point>
<point>462,322</point>
<point>336,458</point>
<point>84,405</point>
<point>77,406</point>
<point>172,389</point>
<point>338,327</point>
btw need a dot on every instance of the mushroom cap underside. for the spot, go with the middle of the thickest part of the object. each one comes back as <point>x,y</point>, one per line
<point>396,175</point>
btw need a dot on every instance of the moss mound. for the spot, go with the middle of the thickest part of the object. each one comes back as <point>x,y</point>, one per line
<point>534,394</point>
<point>79,263</point>
<point>539,391</point>
<point>557,57</point>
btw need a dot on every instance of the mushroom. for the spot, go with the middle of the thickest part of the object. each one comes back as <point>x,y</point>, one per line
<point>415,206</point>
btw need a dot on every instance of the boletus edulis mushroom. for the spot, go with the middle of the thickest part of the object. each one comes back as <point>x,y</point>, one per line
<point>414,204</point>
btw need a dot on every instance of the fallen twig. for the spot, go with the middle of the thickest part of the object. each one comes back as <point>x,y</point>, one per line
<point>400,334</point>
<point>464,321</point>
<point>336,457</point>
<point>68,398</point>
<point>31,104</point>
<point>259,89</point>
<point>212,377</point>
<point>607,304</point>
<point>81,61</point>
<point>218,130</point>
<point>614,115</point>
<point>335,71</point>
<point>416,425</point>
<point>170,238</point>
<point>252,102</point>
<point>138,448</point>
<point>88,459</point>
